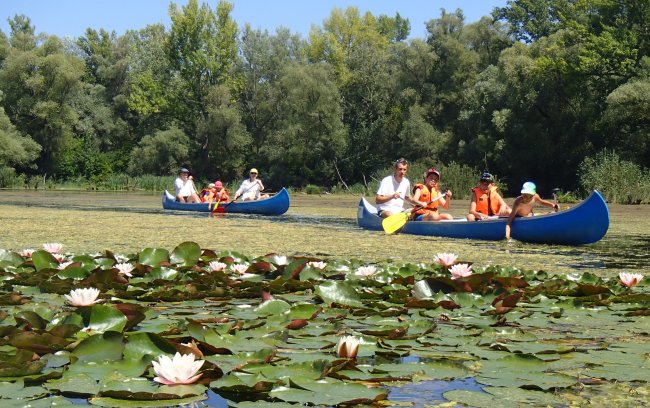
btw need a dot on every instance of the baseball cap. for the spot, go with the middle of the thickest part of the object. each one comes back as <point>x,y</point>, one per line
<point>183,170</point>
<point>529,188</point>
<point>253,170</point>
<point>486,176</point>
<point>433,171</point>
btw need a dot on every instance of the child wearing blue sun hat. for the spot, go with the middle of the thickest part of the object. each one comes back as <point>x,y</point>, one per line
<point>523,205</point>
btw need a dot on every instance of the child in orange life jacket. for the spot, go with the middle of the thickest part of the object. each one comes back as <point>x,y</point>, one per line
<point>207,194</point>
<point>220,193</point>
<point>486,202</point>
<point>424,193</point>
<point>523,205</point>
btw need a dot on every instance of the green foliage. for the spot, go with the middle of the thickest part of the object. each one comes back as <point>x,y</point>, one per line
<point>161,153</point>
<point>619,181</point>
<point>9,178</point>
<point>312,189</point>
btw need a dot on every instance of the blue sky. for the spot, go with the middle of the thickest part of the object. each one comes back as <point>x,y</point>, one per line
<point>72,17</point>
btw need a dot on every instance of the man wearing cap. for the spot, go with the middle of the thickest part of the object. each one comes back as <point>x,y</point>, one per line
<point>251,188</point>
<point>523,205</point>
<point>394,190</point>
<point>185,190</point>
<point>485,201</point>
<point>427,194</point>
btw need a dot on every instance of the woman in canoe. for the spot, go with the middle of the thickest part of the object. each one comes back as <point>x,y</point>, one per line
<point>251,188</point>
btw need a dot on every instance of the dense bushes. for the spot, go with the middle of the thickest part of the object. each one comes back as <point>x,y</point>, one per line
<point>619,181</point>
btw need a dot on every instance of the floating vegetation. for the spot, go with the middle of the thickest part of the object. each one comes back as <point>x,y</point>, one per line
<point>161,328</point>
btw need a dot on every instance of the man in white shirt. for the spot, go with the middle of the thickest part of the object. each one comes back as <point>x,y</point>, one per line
<point>394,190</point>
<point>251,188</point>
<point>184,188</point>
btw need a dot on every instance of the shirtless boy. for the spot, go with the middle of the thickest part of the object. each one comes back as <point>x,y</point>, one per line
<point>523,205</point>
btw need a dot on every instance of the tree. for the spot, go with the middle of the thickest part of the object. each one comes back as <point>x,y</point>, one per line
<point>16,150</point>
<point>161,153</point>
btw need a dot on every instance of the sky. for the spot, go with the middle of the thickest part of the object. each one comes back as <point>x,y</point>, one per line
<point>72,17</point>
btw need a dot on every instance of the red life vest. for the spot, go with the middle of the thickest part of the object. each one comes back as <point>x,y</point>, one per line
<point>426,195</point>
<point>487,203</point>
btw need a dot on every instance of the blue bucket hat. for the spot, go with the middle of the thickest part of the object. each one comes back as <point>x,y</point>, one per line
<point>529,188</point>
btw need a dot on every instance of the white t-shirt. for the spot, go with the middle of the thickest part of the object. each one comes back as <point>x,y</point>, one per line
<point>249,189</point>
<point>390,186</point>
<point>184,189</point>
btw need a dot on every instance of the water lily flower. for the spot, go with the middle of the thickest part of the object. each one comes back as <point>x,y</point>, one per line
<point>59,257</point>
<point>64,265</point>
<point>82,297</point>
<point>460,271</point>
<point>630,279</point>
<point>181,369</point>
<point>239,268</point>
<point>281,260</point>
<point>348,347</point>
<point>366,270</point>
<point>317,264</point>
<point>217,266</point>
<point>445,259</point>
<point>125,269</point>
<point>53,248</point>
<point>27,252</point>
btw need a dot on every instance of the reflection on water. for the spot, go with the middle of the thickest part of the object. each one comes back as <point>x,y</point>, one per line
<point>321,226</point>
<point>427,393</point>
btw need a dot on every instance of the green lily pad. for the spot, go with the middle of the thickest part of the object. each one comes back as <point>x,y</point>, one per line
<point>186,254</point>
<point>153,256</point>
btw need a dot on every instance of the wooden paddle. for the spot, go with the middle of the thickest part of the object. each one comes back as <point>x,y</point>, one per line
<point>397,221</point>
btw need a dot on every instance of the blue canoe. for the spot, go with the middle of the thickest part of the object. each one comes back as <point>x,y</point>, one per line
<point>277,204</point>
<point>584,223</point>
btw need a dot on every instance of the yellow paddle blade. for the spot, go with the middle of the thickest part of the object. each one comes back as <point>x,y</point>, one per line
<point>394,222</point>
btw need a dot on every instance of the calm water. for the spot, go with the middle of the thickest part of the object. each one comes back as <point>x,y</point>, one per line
<point>323,226</point>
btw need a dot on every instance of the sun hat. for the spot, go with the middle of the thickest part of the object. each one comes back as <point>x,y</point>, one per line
<point>218,184</point>
<point>211,185</point>
<point>432,171</point>
<point>486,176</point>
<point>183,170</point>
<point>529,188</point>
<point>253,170</point>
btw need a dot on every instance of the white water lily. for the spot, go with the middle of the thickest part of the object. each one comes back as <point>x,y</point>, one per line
<point>27,252</point>
<point>125,268</point>
<point>64,265</point>
<point>347,347</point>
<point>445,259</point>
<point>366,270</point>
<point>630,279</point>
<point>53,247</point>
<point>460,271</point>
<point>281,260</point>
<point>217,266</point>
<point>82,297</point>
<point>317,264</point>
<point>239,268</point>
<point>181,369</point>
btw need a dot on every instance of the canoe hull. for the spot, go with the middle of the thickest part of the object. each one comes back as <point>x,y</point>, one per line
<point>277,204</point>
<point>584,223</point>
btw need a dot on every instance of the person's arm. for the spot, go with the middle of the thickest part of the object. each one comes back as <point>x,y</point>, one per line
<point>240,190</point>
<point>546,203</point>
<point>259,183</point>
<point>512,216</point>
<point>503,206</point>
<point>444,201</point>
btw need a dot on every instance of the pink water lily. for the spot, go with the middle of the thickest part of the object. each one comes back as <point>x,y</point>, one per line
<point>53,248</point>
<point>125,269</point>
<point>317,264</point>
<point>239,268</point>
<point>217,266</point>
<point>630,279</point>
<point>347,347</point>
<point>59,257</point>
<point>366,270</point>
<point>64,265</point>
<point>445,259</point>
<point>27,252</point>
<point>181,369</point>
<point>82,297</point>
<point>460,271</point>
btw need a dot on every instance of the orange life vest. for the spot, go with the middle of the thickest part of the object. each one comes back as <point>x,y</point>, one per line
<point>487,203</point>
<point>221,195</point>
<point>426,195</point>
<point>207,195</point>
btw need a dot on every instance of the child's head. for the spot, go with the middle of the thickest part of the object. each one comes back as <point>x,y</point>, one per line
<point>528,190</point>
<point>210,186</point>
<point>218,185</point>
<point>431,177</point>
